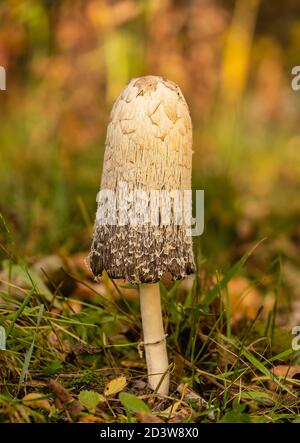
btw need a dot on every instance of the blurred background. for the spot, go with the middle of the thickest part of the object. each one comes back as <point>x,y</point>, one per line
<point>66,62</point>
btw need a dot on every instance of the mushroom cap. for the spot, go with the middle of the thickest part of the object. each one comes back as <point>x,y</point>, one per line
<point>149,148</point>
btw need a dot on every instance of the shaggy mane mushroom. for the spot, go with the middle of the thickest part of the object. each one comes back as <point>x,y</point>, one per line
<point>148,148</point>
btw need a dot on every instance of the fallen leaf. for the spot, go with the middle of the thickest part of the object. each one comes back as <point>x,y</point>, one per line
<point>90,399</point>
<point>133,403</point>
<point>36,400</point>
<point>114,386</point>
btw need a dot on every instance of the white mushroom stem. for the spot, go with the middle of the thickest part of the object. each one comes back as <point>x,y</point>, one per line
<point>154,338</point>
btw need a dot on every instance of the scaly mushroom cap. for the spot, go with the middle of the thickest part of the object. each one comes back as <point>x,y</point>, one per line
<point>148,147</point>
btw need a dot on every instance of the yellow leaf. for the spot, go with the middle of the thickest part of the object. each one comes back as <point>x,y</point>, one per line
<point>116,385</point>
<point>36,400</point>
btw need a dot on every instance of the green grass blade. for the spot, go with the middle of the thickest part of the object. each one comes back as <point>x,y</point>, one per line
<point>20,310</point>
<point>30,350</point>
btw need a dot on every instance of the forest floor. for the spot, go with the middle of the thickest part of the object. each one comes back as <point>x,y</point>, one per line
<point>72,348</point>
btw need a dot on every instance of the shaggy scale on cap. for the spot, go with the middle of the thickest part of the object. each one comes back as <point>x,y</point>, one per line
<point>149,147</point>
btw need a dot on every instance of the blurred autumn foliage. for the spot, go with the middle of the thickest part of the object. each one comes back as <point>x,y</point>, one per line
<point>67,61</point>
